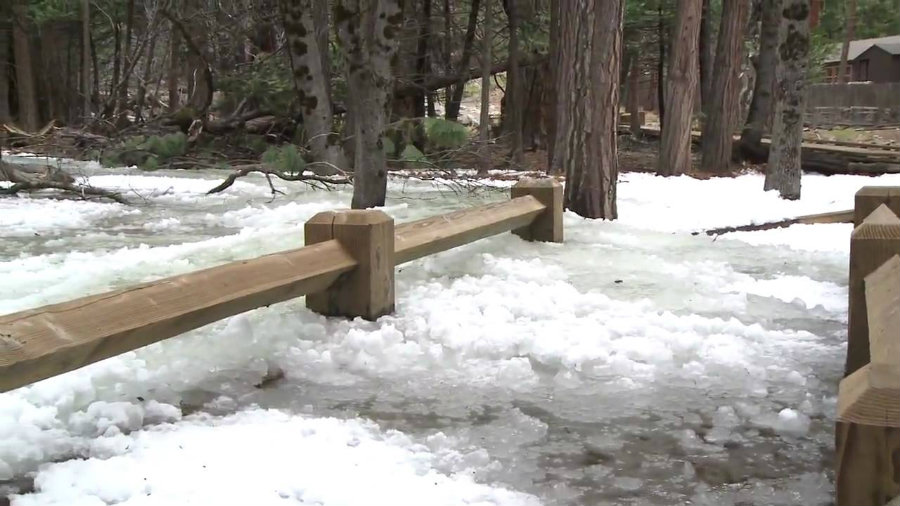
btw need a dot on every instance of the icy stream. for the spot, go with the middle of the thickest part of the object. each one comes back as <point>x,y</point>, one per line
<point>635,364</point>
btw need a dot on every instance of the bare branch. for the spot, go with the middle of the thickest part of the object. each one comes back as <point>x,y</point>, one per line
<point>244,170</point>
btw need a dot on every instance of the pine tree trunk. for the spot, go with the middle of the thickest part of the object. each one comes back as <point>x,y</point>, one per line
<point>706,55</point>
<point>484,125</point>
<point>849,31</point>
<point>142,85</point>
<point>122,98</point>
<point>551,97</point>
<point>681,87</point>
<point>590,50</point>
<point>29,114</point>
<point>783,170</point>
<point>368,32</point>
<point>722,114</point>
<point>661,65</point>
<point>311,85</point>
<point>423,58</point>
<point>174,63</point>
<point>109,104</point>
<point>634,100</point>
<point>761,105</point>
<point>513,109</point>
<point>5,65</point>
<point>452,110</point>
<point>447,51</point>
<point>87,93</point>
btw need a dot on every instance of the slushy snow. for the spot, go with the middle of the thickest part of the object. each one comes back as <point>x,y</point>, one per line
<point>634,364</point>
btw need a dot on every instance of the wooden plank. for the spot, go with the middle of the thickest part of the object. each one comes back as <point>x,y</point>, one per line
<point>425,237</point>
<point>44,342</point>
<point>872,243</point>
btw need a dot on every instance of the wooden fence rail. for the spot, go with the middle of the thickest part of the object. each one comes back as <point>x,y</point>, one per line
<point>867,433</point>
<point>347,268</point>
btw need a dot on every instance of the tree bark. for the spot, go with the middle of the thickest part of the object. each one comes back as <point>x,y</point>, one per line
<point>633,101</point>
<point>174,62</point>
<point>423,58</point>
<point>761,104</point>
<point>452,110</point>
<point>142,84</point>
<point>86,58</point>
<point>722,114</point>
<point>783,170</point>
<point>122,87</point>
<point>661,65</point>
<point>513,110</point>
<point>849,30</point>
<point>368,32</point>
<point>29,115</point>
<point>590,50</point>
<point>484,125</point>
<point>447,51</point>
<point>675,146</point>
<point>551,96</point>
<point>5,65</point>
<point>706,55</point>
<point>311,85</point>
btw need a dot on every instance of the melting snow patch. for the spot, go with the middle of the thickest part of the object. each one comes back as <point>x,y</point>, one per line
<point>268,457</point>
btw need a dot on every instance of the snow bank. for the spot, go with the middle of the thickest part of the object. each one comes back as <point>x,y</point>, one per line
<point>283,459</point>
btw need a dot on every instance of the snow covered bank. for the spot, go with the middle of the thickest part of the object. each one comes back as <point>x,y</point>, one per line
<point>635,363</point>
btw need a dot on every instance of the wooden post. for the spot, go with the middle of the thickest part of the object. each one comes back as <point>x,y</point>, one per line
<point>872,243</point>
<point>548,226</point>
<point>368,290</point>
<point>871,395</point>
<point>868,456</point>
<point>868,198</point>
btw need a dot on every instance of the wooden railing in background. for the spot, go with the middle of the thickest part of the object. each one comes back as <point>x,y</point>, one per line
<point>867,433</point>
<point>347,268</point>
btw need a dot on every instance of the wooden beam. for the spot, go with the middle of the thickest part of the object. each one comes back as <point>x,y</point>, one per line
<point>368,290</point>
<point>425,237</point>
<point>51,340</point>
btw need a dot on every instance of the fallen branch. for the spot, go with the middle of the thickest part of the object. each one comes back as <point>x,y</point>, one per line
<point>50,178</point>
<point>833,217</point>
<point>81,190</point>
<point>244,170</point>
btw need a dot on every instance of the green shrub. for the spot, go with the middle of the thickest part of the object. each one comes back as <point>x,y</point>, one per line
<point>167,146</point>
<point>286,158</point>
<point>443,134</point>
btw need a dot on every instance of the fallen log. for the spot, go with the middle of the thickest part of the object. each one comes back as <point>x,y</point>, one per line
<point>47,177</point>
<point>811,219</point>
<point>823,158</point>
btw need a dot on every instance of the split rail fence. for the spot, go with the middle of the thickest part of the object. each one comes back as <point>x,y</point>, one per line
<point>345,269</point>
